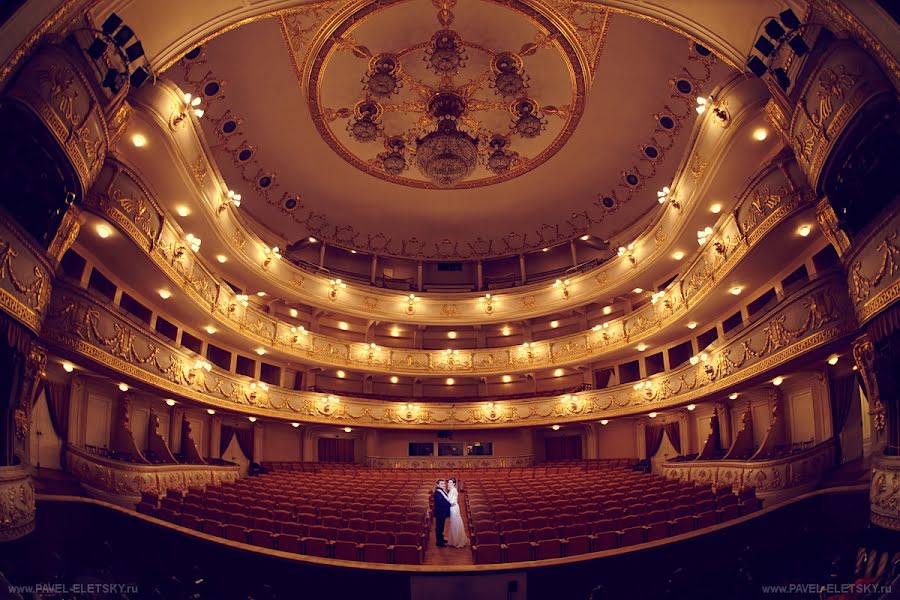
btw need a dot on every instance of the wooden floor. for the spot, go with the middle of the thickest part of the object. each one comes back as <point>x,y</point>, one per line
<point>448,555</point>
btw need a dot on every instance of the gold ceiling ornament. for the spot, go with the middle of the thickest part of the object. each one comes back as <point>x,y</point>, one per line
<point>432,104</point>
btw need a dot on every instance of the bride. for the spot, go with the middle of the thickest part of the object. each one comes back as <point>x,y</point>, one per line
<point>456,533</point>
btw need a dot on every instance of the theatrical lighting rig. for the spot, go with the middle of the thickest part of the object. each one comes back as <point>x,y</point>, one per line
<point>113,33</point>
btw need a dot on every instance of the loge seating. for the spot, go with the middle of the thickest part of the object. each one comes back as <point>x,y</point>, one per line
<point>588,506</point>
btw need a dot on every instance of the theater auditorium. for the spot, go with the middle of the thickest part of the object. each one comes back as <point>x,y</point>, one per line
<point>449,299</point>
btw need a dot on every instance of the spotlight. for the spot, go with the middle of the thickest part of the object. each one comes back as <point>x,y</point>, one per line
<point>111,23</point>
<point>139,76</point>
<point>781,76</point>
<point>97,48</point>
<point>789,19</point>
<point>798,45</point>
<point>757,66</point>
<point>774,30</point>
<point>114,80</point>
<point>123,36</point>
<point>765,47</point>
<point>134,51</point>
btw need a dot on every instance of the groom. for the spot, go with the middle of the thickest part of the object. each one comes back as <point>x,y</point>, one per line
<point>441,512</point>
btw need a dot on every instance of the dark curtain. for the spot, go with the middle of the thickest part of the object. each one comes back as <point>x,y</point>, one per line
<point>58,405</point>
<point>567,447</point>
<point>841,392</point>
<point>336,450</point>
<point>673,432</point>
<point>653,435</point>
<point>225,438</point>
<point>245,441</point>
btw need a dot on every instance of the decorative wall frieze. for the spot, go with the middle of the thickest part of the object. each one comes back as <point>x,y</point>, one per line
<point>130,480</point>
<point>26,276</point>
<point>17,504</point>
<point>884,493</point>
<point>53,86</point>
<point>770,199</point>
<point>873,268</point>
<point>843,81</point>
<point>81,324</point>
<point>767,476</point>
<point>447,462</point>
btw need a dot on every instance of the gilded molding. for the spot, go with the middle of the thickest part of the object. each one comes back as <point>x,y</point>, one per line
<point>873,268</point>
<point>884,493</point>
<point>481,462</point>
<point>17,504</point>
<point>814,316</point>
<point>25,276</point>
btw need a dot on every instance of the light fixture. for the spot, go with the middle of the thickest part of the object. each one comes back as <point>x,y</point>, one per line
<point>192,104</point>
<point>736,290</point>
<point>733,396</point>
<point>628,252</point>
<point>123,387</point>
<point>450,381</point>
<point>760,134</point>
<point>545,249</point>
<point>295,424</point>
<point>170,402</point>
<point>692,325</point>
<point>641,347</point>
<point>678,255</point>
<point>221,258</point>
<point>261,294</point>
<point>210,329</point>
<point>312,240</point>
<point>210,411</point>
<point>341,374</point>
<point>715,208</point>
<point>293,312</point>
<point>231,197</point>
<point>488,303</point>
<point>395,331</point>
<point>343,325</point>
<point>638,290</point>
<point>604,421</point>
<point>193,242</point>
<point>165,294</point>
<point>202,364</point>
<point>554,324</point>
<point>652,415</point>
<point>804,230</point>
<point>507,378</point>
<point>691,406</point>
<point>270,254</point>
<point>242,299</point>
<point>182,211</point>
<point>833,359</point>
<point>506,331</point>
<point>694,360</point>
<point>394,379</point>
<point>68,367</point>
<point>585,238</point>
<point>138,140</point>
<point>663,195</point>
<point>703,235</point>
<point>260,351</point>
<point>701,105</point>
<point>564,284</point>
<point>348,429</point>
<point>854,368</point>
<point>104,231</point>
<point>554,427</point>
<point>451,335</point>
<point>558,373</point>
<point>251,419</point>
<point>778,381</point>
<point>607,310</point>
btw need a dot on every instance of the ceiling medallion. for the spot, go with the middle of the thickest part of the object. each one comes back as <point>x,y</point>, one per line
<point>449,111</point>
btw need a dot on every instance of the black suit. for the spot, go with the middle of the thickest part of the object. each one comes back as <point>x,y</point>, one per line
<point>441,512</point>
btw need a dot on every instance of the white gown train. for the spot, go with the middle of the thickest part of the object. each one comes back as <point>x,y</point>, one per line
<point>456,531</point>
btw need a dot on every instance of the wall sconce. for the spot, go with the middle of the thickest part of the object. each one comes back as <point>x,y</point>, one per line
<point>488,301</point>
<point>270,255</point>
<point>190,241</point>
<point>666,194</point>
<point>190,105</point>
<point>255,389</point>
<point>242,299</point>
<point>329,404</point>
<point>703,235</point>
<point>336,285</point>
<point>202,364</point>
<point>627,251</point>
<point>296,332</point>
<point>411,304</point>
<point>656,296</point>
<point>719,247</point>
<point>373,348</point>
<point>564,284</point>
<point>709,103</point>
<point>231,198</point>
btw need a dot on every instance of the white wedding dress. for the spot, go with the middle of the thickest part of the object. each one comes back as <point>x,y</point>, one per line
<point>456,531</point>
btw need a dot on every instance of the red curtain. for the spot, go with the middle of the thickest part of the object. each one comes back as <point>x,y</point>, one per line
<point>567,447</point>
<point>336,450</point>
<point>673,432</point>
<point>653,435</point>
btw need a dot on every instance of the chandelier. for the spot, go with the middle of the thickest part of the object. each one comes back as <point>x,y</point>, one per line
<point>446,155</point>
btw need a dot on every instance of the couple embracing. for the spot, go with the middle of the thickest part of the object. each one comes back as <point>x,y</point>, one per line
<point>446,506</point>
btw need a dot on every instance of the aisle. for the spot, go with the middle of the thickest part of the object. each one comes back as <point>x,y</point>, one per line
<point>448,555</point>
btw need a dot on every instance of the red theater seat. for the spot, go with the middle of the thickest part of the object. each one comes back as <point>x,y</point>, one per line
<point>262,538</point>
<point>631,536</point>
<point>315,547</point>
<point>345,550</point>
<point>682,525</point>
<point>487,554</point>
<point>487,537</point>
<point>706,519</point>
<point>518,551</point>
<point>548,549</point>
<point>657,531</point>
<point>407,555</point>
<point>579,544</point>
<point>375,553</point>
<point>235,533</point>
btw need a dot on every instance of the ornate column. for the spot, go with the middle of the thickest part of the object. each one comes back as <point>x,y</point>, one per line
<point>215,436</point>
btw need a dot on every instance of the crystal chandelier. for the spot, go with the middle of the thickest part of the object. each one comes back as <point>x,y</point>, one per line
<point>446,155</point>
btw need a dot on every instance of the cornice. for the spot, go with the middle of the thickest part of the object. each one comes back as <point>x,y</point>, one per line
<point>80,325</point>
<point>189,148</point>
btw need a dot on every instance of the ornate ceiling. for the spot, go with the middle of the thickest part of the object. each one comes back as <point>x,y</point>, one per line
<point>570,119</point>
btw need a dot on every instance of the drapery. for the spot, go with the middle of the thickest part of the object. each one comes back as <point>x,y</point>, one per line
<point>841,392</point>
<point>58,405</point>
<point>225,439</point>
<point>567,447</point>
<point>336,450</point>
<point>673,432</point>
<point>653,435</point>
<point>245,441</point>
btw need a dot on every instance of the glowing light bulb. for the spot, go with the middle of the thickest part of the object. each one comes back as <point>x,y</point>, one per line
<point>450,381</point>
<point>165,294</point>
<point>182,211</point>
<point>123,387</point>
<point>760,134</point>
<point>295,424</point>
<point>555,427</point>
<point>691,406</point>
<point>558,373</point>
<point>451,335</point>
<point>554,324</point>
<point>507,378</point>
<point>394,379</point>
<point>652,415</point>
<point>341,374</point>
<point>833,360</point>
<point>221,258</point>
<point>170,402</point>
<point>778,381</point>
<point>251,419</point>
<point>104,231</point>
<point>139,140</point>
<point>348,429</point>
<point>210,411</point>
<point>692,325</point>
<point>604,421</point>
<point>715,208</point>
<point>68,367</point>
<point>736,290</point>
<point>678,255</point>
<point>804,230</point>
<point>733,396</point>
<point>210,329</point>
